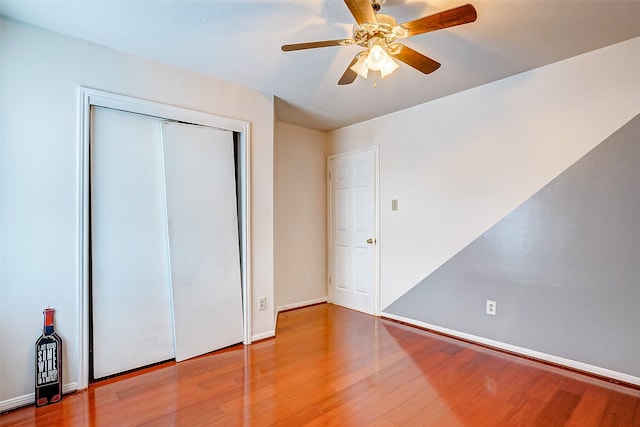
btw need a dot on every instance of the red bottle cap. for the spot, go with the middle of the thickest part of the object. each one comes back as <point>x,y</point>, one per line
<point>48,316</point>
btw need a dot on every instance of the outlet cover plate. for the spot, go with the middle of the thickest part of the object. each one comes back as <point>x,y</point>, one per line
<point>491,307</point>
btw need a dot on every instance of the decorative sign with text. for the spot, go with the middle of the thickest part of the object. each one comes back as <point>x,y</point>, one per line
<point>47,357</point>
<point>48,363</point>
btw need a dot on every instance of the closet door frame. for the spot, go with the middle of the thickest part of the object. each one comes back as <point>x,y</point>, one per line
<point>92,97</point>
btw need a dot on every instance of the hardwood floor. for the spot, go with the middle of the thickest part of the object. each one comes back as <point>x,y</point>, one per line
<point>329,366</point>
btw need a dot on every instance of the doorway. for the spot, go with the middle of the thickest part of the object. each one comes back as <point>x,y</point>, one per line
<point>353,219</point>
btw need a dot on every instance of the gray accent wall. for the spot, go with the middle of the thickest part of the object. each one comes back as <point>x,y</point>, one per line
<point>563,267</point>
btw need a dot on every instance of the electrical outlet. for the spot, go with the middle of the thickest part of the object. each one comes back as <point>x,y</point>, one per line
<point>491,307</point>
<point>394,204</point>
<point>262,303</point>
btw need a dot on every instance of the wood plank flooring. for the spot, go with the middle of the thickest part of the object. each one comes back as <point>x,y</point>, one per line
<point>329,366</point>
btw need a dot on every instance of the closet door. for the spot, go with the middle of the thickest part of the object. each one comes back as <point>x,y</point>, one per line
<point>203,238</point>
<point>131,299</point>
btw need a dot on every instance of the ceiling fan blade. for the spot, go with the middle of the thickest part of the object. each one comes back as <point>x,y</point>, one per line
<point>416,59</point>
<point>362,11</point>
<point>313,45</point>
<point>448,18</point>
<point>349,75</point>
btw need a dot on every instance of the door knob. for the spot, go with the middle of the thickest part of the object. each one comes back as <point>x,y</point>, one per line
<point>371,241</point>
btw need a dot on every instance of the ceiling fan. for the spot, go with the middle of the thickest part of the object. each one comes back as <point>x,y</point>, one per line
<point>378,33</point>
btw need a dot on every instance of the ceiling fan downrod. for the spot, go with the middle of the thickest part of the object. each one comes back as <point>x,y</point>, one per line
<point>377,4</point>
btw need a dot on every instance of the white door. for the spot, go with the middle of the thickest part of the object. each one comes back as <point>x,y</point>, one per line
<point>353,240</point>
<point>203,238</point>
<point>131,293</point>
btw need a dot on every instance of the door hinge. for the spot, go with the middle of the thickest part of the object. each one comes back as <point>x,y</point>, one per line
<point>330,280</point>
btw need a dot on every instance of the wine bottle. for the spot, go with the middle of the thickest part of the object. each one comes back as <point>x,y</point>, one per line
<point>48,363</point>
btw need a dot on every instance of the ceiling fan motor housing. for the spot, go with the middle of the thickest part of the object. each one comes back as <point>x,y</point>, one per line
<point>385,29</point>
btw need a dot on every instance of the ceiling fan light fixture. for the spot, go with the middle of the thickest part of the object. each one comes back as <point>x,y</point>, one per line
<point>388,68</point>
<point>378,58</point>
<point>360,67</point>
<point>375,59</point>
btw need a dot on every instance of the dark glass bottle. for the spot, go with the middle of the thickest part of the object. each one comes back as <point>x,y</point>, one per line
<point>48,363</point>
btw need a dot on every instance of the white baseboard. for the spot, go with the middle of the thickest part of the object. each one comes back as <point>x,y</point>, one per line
<point>572,364</point>
<point>263,335</point>
<point>300,304</point>
<point>29,399</point>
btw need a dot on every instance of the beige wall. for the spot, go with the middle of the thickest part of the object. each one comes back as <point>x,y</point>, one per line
<point>300,216</point>
<point>40,182</point>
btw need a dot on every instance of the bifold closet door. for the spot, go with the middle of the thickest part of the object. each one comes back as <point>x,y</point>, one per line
<point>200,185</point>
<point>131,291</point>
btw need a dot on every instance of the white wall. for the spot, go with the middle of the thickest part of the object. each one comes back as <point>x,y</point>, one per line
<point>459,164</point>
<point>300,216</point>
<point>40,75</point>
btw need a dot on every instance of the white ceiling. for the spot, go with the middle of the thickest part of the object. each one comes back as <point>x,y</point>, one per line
<point>239,41</point>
